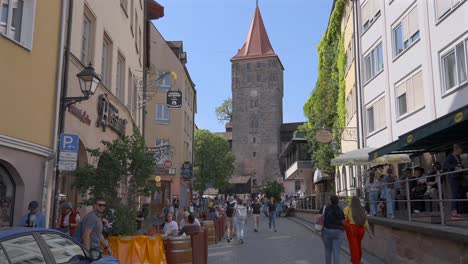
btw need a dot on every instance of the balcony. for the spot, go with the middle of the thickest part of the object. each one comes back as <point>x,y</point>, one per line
<point>298,170</point>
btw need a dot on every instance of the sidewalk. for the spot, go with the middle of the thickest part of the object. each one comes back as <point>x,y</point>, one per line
<point>366,258</point>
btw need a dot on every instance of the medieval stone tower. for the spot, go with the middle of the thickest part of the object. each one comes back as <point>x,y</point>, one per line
<point>257,101</point>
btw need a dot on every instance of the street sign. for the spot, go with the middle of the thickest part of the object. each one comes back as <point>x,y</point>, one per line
<point>67,165</point>
<point>167,164</point>
<point>68,154</point>
<point>174,99</point>
<point>69,142</point>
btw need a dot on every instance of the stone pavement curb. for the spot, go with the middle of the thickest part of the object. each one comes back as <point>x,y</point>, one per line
<point>344,248</point>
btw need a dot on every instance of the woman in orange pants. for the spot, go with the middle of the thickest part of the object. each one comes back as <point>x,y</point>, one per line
<point>355,225</point>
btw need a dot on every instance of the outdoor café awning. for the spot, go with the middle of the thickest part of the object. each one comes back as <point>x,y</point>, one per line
<point>436,136</point>
<point>239,180</point>
<point>361,157</point>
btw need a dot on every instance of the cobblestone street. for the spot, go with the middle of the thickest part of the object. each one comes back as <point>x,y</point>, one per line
<point>292,244</point>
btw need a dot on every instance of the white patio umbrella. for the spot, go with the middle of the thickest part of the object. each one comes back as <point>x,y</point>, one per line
<point>361,157</point>
<point>353,157</point>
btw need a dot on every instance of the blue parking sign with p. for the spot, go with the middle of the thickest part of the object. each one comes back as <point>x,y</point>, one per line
<point>69,142</point>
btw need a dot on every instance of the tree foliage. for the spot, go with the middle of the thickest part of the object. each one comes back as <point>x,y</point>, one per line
<point>274,189</point>
<point>120,176</point>
<point>324,108</point>
<point>214,161</point>
<point>224,111</point>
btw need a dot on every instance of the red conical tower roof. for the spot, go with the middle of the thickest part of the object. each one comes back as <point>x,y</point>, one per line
<point>257,44</point>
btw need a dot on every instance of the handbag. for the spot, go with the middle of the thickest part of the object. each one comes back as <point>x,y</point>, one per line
<point>321,220</point>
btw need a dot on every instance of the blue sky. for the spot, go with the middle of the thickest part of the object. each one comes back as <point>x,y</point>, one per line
<point>213,31</point>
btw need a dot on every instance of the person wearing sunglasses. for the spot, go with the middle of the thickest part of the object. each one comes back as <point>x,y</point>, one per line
<point>92,227</point>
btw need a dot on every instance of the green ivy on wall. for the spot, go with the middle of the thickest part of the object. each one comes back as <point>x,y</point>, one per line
<point>325,108</point>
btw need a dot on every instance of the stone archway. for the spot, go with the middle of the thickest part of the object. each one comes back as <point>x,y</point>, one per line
<point>10,184</point>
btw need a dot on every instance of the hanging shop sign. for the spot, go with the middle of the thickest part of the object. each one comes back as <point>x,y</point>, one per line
<point>186,171</point>
<point>174,99</point>
<point>324,136</point>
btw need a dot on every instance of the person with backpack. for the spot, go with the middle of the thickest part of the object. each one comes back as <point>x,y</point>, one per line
<point>240,214</point>
<point>271,207</point>
<point>256,208</point>
<point>230,218</point>
<point>332,232</point>
<point>69,219</point>
<point>355,225</point>
<point>34,218</point>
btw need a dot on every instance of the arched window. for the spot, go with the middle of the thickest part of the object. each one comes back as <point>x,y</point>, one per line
<point>7,198</point>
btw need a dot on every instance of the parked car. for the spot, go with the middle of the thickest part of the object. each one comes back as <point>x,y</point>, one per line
<point>42,245</point>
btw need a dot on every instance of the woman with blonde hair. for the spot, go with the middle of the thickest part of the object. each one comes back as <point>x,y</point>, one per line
<point>355,225</point>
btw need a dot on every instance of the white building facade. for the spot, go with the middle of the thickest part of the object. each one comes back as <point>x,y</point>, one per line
<point>414,64</point>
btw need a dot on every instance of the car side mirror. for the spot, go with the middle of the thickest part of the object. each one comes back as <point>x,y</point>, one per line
<point>95,254</point>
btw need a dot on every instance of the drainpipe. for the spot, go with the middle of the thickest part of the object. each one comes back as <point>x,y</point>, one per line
<point>146,64</point>
<point>57,113</point>
<point>357,67</point>
<point>57,181</point>
<point>359,92</point>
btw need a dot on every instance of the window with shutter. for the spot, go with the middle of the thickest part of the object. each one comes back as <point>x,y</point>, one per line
<point>444,7</point>
<point>405,32</point>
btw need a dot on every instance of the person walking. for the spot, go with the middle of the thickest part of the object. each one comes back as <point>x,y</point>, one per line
<point>69,219</point>
<point>34,218</point>
<point>230,218</point>
<point>355,225</point>
<point>454,163</point>
<point>388,182</point>
<point>271,207</point>
<point>256,208</point>
<point>240,215</point>
<point>332,232</point>
<point>372,187</point>
<point>92,225</point>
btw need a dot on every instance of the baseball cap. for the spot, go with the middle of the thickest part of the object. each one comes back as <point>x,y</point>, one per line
<point>33,205</point>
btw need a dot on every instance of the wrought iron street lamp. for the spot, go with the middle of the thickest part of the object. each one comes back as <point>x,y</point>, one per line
<point>89,81</point>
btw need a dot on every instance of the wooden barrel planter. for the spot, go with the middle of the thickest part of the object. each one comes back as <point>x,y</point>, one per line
<point>179,250</point>
<point>210,228</point>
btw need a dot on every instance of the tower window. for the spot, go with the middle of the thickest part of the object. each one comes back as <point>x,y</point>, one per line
<point>254,140</point>
<point>254,154</point>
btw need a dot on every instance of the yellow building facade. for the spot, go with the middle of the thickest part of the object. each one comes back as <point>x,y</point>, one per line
<point>347,176</point>
<point>170,129</point>
<point>29,59</point>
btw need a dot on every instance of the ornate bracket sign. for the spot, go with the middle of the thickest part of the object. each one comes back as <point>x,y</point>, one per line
<point>108,116</point>
<point>349,134</point>
<point>161,153</point>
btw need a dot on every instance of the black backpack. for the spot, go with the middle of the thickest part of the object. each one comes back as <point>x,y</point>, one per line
<point>230,209</point>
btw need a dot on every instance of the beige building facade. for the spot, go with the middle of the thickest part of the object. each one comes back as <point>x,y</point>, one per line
<point>169,131</point>
<point>109,36</point>
<point>29,66</point>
